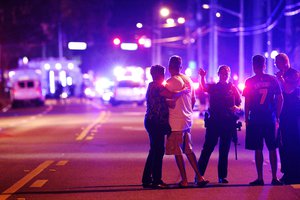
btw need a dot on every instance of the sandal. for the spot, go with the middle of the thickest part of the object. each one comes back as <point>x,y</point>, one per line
<point>183,184</point>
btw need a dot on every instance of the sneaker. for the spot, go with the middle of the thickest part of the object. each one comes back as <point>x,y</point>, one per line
<point>257,182</point>
<point>223,180</point>
<point>202,183</point>
<point>276,182</point>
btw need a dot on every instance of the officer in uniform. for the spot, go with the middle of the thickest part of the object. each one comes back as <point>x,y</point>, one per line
<point>289,123</point>
<point>224,105</point>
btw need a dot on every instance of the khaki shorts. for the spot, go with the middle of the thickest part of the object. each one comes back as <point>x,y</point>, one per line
<point>179,142</point>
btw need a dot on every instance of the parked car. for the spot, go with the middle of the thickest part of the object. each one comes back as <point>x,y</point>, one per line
<point>128,91</point>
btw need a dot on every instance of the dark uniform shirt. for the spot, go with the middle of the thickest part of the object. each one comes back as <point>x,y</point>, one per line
<point>261,91</point>
<point>291,76</point>
<point>223,96</point>
<point>291,105</point>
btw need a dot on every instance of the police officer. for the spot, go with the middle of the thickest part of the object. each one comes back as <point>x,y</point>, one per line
<point>289,124</point>
<point>224,105</point>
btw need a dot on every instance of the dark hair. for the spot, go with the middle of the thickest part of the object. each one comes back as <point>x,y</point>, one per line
<point>175,61</point>
<point>258,61</point>
<point>157,70</point>
<point>223,67</point>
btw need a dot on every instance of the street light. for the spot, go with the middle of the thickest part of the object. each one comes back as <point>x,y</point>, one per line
<point>158,26</point>
<point>181,20</point>
<point>164,12</point>
<point>139,25</point>
<point>156,48</point>
<point>214,39</point>
<point>116,41</point>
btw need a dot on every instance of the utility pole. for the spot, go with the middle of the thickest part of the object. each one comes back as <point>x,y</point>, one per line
<point>213,38</point>
<point>213,42</point>
<point>270,68</point>
<point>241,42</point>
<point>199,35</point>
<point>156,36</point>
<point>60,46</point>
<point>2,74</point>
<point>187,30</point>
<point>288,31</point>
<point>257,38</point>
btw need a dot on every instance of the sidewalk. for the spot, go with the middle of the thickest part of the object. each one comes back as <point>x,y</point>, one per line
<point>4,101</point>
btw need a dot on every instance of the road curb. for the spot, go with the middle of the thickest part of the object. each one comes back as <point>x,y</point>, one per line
<point>4,104</point>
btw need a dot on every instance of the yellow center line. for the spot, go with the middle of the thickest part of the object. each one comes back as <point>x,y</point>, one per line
<point>14,188</point>
<point>84,133</point>
<point>89,138</point>
<point>38,183</point>
<point>61,163</point>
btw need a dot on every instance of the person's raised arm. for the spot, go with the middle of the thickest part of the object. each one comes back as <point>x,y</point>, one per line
<point>202,74</point>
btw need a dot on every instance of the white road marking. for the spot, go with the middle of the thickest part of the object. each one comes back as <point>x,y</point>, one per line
<point>131,128</point>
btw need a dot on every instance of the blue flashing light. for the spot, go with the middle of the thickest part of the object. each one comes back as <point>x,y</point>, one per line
<point>192,64</point>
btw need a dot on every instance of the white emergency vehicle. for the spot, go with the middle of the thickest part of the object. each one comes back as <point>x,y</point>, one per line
<point>26,87</point>
<point>130,86</point>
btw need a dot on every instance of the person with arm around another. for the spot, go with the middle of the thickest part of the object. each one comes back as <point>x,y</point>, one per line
<point>180,119</point>
<point>157,125</point>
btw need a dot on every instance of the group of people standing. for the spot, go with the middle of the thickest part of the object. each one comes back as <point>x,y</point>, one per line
<point>170,108</point>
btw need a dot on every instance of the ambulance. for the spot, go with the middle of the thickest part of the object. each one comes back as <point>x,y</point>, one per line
<point>26,87</point>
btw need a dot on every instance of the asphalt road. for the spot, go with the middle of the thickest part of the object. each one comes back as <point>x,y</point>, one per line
<point>86,150</point>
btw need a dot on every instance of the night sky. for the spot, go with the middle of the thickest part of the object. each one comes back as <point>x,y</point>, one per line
<point>126,13</point>
<point>29,27</point>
